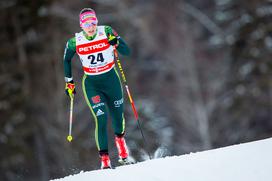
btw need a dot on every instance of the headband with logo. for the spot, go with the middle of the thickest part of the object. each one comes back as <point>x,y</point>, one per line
<point>88,16</point>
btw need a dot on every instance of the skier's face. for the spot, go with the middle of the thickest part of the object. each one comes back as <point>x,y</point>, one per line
<point>89,27</point>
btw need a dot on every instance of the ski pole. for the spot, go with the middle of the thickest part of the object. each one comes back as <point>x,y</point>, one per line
<point>130,97</point>
<point>69,137</point>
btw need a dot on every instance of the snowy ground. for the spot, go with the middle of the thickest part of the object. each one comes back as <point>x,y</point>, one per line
<point>245,162</point>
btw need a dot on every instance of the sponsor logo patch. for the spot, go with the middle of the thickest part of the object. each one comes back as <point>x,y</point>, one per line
<point>96,99</point>
<point>79,38</point>
<point>98,105</point>
<point>92,47</point>
<point>99,112</point>
<point>117,103</point>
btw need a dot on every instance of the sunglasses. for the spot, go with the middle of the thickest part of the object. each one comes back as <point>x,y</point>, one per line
<point>88,24</point>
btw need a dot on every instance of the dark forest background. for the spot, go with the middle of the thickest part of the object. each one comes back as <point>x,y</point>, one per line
<point>200,75</point>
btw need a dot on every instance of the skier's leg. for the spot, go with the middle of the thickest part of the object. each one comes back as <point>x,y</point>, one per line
<point>116,107</point>
<point>115,102</point>
<point>97,104</point>
<point>118,122</point>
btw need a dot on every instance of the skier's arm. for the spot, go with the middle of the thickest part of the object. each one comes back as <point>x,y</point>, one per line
<point>122,46</point>
<point>69,52</point>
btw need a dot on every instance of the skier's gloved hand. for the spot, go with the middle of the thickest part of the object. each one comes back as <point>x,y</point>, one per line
<point>70,89</point>
<point>113,40</point>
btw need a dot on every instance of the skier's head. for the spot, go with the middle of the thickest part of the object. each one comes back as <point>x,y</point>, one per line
<point>88,20</point>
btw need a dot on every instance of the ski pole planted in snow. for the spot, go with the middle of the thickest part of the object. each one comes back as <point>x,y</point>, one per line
<point>129,96</point>
<point>69,137</point>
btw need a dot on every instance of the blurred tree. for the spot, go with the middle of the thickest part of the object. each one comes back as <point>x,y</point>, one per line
<point>245,114</point>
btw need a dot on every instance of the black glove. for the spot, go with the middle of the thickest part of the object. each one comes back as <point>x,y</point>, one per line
<point>113,40</point>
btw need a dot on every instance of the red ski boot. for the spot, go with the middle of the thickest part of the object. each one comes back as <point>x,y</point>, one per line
<point>105,161</point>
<point>122,150</point>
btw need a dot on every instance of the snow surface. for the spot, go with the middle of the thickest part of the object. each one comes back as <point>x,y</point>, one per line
<point>244,162</point>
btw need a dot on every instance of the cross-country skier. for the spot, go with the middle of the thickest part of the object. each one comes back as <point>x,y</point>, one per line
<point>101,83</point>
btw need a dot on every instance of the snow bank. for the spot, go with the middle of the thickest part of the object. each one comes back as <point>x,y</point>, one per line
<point>245,162</point>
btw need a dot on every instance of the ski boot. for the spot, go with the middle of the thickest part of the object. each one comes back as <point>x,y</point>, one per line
<point>123,152</point>
<point>105,161</point>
